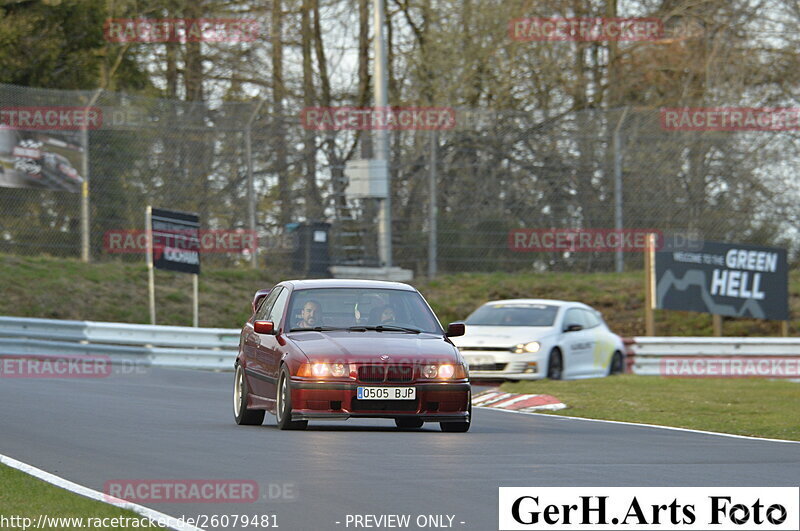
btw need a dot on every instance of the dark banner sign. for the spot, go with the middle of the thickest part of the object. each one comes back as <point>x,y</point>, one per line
<point>176,241</point>
<point>730,279</point>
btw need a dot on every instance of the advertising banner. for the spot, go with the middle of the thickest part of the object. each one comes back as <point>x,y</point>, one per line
<point>729,279</point>
<point>176,241</point>
<point>40,159</point>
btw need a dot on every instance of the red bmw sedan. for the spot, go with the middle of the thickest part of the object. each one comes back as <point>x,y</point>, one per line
<point>336,349</point>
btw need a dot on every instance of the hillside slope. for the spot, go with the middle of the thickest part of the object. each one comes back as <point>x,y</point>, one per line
<point>115,291</point>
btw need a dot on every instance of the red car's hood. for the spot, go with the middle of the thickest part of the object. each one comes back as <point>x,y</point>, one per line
<point>355,347</point>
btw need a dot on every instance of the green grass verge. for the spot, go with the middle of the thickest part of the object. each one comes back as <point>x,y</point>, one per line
<point>28,497</point>
<point>116,291</point>
<point>754,407</point>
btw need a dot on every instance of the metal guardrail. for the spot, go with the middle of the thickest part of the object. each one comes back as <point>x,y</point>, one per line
<point>645,354</point>
<point>162,346</point>
<point>216,348</point>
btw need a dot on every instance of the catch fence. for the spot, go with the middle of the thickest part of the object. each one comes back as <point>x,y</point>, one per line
<point>488,176</point>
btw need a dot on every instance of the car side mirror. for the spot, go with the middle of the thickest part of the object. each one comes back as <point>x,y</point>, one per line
<point>264,327</point>
<point>260,294</point>
<point>456,329</point>
<point>573,328</point>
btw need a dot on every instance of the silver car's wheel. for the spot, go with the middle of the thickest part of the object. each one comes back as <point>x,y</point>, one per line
<point>555,365</point>
<point>617,364</point>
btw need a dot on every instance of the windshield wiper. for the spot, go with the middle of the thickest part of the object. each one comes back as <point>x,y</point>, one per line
<point>316,329</point>
<point>386,328</point>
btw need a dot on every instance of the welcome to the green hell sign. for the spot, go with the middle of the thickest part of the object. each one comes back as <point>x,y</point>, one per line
<point>724,279</point>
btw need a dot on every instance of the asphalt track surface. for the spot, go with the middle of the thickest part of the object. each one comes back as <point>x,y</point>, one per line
<point>178,424</point>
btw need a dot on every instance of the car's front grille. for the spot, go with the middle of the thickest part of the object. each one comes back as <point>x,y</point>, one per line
<point>487,349</point>
<point>383,405</point>
<point>400,373</point>
<point>488,367</point>
<point>372,373</point>
<point>386,373</point>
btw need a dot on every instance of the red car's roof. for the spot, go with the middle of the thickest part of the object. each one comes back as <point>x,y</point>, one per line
<point>346,283</point>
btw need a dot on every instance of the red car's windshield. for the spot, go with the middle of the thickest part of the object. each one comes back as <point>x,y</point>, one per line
<point>346,307</point>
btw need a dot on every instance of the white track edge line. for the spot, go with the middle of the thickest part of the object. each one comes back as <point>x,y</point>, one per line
<point>566,417</point>
<point>86,492</point>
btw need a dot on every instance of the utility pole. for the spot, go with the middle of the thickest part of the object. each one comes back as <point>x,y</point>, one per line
<point>251,192</point>
<point>381,79</point>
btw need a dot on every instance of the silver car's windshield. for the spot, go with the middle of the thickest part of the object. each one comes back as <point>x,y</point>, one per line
<point>501,314</point>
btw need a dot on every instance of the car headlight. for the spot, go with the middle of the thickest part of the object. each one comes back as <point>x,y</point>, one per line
<point>323,370</point>
<point>522,348</point>
<point>445,371</point>
<point>429,371</point>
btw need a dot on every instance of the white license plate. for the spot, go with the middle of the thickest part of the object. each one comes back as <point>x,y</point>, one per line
<point>479,360</point>
<point>387,393</point>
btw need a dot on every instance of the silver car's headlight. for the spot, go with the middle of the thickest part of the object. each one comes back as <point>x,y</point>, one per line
<point>523,348</point>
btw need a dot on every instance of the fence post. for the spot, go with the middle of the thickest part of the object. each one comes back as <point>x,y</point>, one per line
<point>251,193</point>
<point>618,259</point>
<point>432,208</point>
<point>85,256</point>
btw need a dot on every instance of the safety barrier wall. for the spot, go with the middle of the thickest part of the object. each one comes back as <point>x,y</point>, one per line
<point>646,354</point>
<point>163,346</point>
<point>215,348</point>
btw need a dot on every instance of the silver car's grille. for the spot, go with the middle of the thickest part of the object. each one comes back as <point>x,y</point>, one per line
<point>488,367</point>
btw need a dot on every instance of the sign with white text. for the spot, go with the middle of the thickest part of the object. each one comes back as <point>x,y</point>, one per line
<point>730,279</point>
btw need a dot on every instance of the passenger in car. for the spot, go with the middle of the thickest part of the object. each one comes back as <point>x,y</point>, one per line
<point>382,315</point>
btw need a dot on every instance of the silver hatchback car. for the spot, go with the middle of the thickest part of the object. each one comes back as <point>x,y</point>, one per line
<point>530,339</point>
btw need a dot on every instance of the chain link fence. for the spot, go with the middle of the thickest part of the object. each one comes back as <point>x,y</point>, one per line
<point>492,173</point>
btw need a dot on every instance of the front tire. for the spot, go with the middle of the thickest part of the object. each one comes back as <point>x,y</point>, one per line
<point>555,365</point>
<point>283,404</point>
<point>243,415</point>
<point>461,426</point>
<point>617,365</point>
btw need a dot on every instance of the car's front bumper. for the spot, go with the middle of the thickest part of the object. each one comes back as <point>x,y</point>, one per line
<point>440,401</point>
<point>488,365</point>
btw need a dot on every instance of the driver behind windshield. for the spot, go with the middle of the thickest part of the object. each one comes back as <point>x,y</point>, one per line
<point>311,315</point>
<point>387,315</point>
